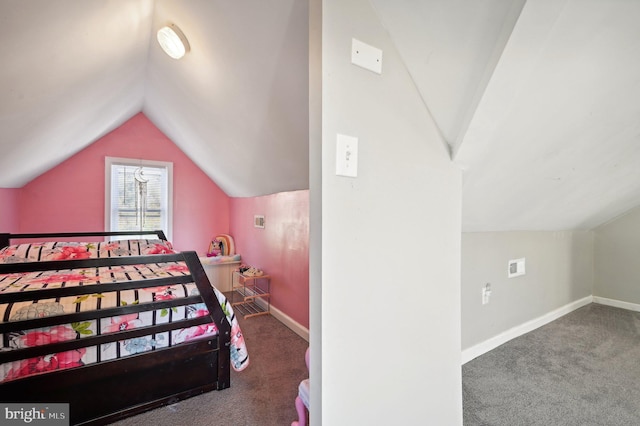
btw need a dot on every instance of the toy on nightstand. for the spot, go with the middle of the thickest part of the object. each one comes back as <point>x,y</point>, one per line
<point>221,245</point>
<point>215,248</point>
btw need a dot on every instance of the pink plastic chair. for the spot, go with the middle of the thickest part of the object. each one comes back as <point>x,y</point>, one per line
<point>302,400</point>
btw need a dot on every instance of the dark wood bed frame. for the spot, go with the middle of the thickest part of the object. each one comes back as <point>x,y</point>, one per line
<point>111,390</point>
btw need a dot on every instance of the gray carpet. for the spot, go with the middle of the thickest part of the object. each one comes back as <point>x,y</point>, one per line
<point>263,394</point>
<point>582,369</point>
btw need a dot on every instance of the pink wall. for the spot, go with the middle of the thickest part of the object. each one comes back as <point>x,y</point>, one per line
<point>70,197</point>
<point>9,210</point>
<point>281,249</point>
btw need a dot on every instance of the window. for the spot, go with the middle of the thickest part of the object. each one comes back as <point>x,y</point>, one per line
<point>138,195</point>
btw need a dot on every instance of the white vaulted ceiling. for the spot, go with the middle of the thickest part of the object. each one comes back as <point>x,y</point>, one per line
<point>539,100</point>
<point>237,105</point>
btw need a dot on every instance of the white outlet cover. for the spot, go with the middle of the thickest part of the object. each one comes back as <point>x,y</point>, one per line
<point>346,156</point>
<point>366,56</point>
<point>516,267</point>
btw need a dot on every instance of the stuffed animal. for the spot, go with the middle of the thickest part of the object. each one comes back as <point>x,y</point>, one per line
<point>215,248</point>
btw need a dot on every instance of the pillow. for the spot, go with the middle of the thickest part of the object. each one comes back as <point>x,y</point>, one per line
<point>228,246</point>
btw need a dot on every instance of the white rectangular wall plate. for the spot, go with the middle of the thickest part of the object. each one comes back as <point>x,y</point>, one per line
<point>258,221</point>
<point>516,267</point>
<point>346,156</point>
<point>365,56</point>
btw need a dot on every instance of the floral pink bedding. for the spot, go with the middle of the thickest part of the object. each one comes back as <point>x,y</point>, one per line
<point>37,252</point>
<point>94,276</point>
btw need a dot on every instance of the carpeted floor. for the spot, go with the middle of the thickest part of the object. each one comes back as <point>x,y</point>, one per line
<point>582,369</point>
<point>263,394</point>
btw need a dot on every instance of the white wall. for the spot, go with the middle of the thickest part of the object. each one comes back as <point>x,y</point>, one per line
<point>617,259</point>
<point>559,270</point>
<point>390,241</point>
<point>315,209</point>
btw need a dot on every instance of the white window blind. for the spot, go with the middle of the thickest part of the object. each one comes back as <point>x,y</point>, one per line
<point>139,195</point>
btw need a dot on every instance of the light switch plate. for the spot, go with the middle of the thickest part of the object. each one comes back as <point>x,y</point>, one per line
<point>365,56</point>
<point>346,156</point>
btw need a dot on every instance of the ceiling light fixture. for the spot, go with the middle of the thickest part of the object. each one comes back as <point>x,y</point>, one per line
<point>173,41</point>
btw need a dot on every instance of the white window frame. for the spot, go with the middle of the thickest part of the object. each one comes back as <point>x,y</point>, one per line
<point>109,161</point>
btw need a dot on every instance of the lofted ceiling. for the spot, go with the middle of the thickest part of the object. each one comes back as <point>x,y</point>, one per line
<point>539,100</point>
<point>237,104</point>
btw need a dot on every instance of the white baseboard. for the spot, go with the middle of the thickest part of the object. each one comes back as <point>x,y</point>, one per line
<point>296,327</point>
<point>617,303</point>
<point>492,343</point>
<point>289,322</point>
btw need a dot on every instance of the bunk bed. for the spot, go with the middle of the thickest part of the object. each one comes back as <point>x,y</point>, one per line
<point>98,355</point>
